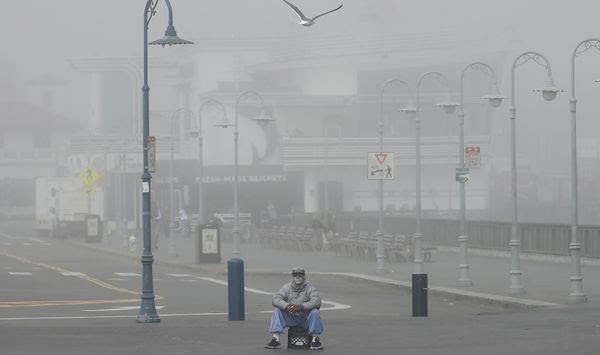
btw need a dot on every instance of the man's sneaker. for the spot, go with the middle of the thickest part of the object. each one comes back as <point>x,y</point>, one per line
<point>316,344</point>
<point>274,344</point>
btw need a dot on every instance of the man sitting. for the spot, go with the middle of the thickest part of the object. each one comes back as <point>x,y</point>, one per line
<point>297,303</point>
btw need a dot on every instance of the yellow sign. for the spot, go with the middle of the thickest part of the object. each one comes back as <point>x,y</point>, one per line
<point>89,176</point>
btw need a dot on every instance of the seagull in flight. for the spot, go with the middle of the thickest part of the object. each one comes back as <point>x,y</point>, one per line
<point>305,21</point>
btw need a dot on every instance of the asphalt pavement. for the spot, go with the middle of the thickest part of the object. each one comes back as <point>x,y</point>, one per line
<point>364,312</point>
<point>545,278</point>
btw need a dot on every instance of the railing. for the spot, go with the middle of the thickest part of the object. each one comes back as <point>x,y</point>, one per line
<point>542,238</point>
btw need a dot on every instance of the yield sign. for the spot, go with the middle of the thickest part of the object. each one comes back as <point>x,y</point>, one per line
<point>381,157</point>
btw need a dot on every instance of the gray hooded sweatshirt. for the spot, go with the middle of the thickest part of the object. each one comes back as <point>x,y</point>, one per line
<point>306,295</point>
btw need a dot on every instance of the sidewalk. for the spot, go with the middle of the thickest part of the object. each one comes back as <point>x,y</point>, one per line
<point>546,281</point>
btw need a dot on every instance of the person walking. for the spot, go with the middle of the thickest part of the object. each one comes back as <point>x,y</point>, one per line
<point>155,223</point>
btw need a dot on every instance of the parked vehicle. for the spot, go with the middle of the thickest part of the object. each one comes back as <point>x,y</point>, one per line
<point>62,204</point>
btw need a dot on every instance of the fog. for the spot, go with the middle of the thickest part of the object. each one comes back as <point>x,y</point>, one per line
<point>316,81</point>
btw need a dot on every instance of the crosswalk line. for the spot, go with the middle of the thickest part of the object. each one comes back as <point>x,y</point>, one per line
<point>19,273</point>
<point>126,274</point>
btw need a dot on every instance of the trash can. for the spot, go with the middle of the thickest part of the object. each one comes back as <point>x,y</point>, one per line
<point>93,228</point>
<point>208,244</point>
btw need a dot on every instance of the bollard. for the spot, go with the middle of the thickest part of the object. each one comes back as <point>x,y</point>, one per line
<point>235,288</point>
<point>419,295</point>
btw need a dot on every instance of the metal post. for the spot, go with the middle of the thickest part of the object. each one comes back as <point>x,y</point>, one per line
<point>516,286</point>
<point>577,295</point>
<point>172,248</point>
<point>147,307</point>
<point>463,239</point>
<point>235,266</point>
<point>380,253</point>
<point>236,208</point>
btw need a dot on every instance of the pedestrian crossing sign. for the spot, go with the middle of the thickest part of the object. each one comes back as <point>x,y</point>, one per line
<point>89,176</point>
<point>380,166</point>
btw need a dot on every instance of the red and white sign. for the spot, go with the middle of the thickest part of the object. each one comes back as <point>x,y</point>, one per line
<point>472,157</point>
<point>380,166</point>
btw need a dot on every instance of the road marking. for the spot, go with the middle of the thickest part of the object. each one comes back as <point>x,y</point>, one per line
<point>72,273</point>
<point>19,273</point>
<point>115,279</point>
<point>27,244</point>
<point>120,316</point>
<point>334,306</point>
<point>7,244</point>
<point>188,280</point>
<point>125,274</point>
<point>124,308</point>
<point>7,304</point>
<point>12,304</point>
<point>180,275</point>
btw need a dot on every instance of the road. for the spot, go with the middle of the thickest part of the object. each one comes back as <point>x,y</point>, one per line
<point>57,298</point>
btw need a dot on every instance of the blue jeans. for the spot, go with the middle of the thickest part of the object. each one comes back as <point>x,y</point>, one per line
<point>281,319</point>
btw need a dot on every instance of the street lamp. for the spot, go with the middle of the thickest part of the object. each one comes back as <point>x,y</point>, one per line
<point>172,136</point>
<point>413,113</point>
<point>577,294</point>
<point>495,100</point>
<point>549,93</point>
<point>147,306</point>
<point>380,254</point>
<point>262,118</point>
<point>235,266</point>
<point>193,133</point>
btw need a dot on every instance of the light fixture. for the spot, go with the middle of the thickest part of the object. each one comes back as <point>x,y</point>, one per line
<point>410,110</point>
<point>495,98</point>
<point>448,106</point>
<point>550,91</point>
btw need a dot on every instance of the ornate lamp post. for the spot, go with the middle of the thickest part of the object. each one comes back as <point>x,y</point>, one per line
<point>193,133</point>
<point>549,93</point>
<point>380,254</point>
<point>495,100</point>
<point>577,294</point>
<point>172,136</point>
<point>147,306</point>
<point>448,107</point>
<point>235,266</point>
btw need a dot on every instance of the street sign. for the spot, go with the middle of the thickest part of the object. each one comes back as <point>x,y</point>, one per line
<point>380,166</point>
<point>462,174</point>
<point>151,154</point>
<point>89,176</point>
<point>473,157</point>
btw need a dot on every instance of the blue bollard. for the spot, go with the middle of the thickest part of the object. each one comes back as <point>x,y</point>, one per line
<point>235,289</point>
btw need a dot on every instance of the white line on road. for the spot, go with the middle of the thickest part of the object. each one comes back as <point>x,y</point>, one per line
<point>124,308</point>
<point>334,305</point>
<point>72,273</point>
<point>126,274</point>
<point>180,275</point>
<point>108,317</point>
<point>19,273</point>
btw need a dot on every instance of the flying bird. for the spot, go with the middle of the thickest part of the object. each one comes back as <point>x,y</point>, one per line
<point>305,21</point>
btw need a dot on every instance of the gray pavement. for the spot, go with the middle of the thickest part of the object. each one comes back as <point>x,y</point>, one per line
<point>545,278</point>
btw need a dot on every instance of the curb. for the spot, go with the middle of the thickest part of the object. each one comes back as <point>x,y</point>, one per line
<point>457,294</point>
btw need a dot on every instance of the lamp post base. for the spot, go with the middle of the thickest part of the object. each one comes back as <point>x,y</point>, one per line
<point>147,318</point>
<point>464,282</point>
